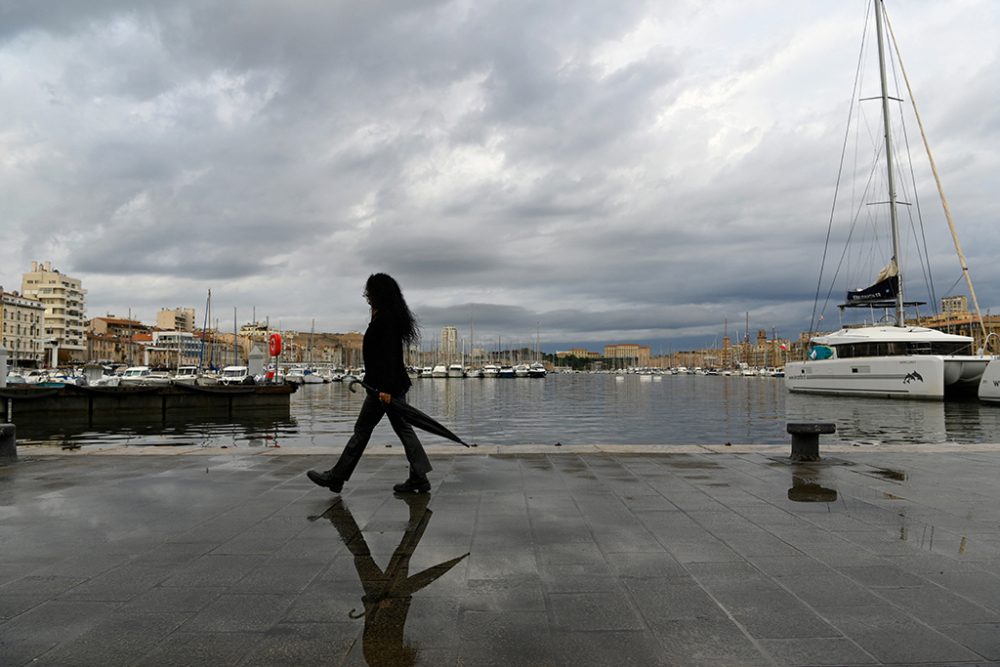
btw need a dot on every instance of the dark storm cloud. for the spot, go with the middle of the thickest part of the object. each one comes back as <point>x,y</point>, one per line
<point>598,168</point>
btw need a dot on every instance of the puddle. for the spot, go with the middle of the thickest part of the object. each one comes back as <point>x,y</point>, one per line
<point>808,490</point>
<point>887,473</point>
<point>693,465</point>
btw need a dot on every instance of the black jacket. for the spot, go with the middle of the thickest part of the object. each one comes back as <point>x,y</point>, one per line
<point>383,354</point>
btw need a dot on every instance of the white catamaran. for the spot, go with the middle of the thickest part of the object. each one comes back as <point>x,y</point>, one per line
<point>892,360</point>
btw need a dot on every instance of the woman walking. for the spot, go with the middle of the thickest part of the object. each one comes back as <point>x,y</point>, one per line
<point>392,326</point>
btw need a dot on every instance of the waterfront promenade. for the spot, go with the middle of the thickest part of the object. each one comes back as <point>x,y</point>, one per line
<point>691,555</point>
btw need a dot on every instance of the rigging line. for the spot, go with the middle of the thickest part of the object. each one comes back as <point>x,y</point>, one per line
<point>957,281</point>
<point>840,171</point>
<point>873,171</point>
<point>937,181</point>
<point>925,260</point>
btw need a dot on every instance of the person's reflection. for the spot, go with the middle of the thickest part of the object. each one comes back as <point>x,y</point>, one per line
<point>388,592</point>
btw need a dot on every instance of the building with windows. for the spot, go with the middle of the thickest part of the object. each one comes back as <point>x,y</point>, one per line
<point>21,327</point>
<point>64,300</point>
<point>180,347</point>
<point>175,319</point>
<point>628,354</point>
<point>449,343</point>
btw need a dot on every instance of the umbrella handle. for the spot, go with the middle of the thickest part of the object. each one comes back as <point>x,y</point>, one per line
<point>355,381</point>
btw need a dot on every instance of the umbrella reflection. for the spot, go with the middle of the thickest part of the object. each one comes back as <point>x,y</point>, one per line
<point>388,592</point>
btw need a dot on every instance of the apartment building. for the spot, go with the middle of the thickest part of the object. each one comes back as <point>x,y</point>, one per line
<point>22,319</point>
<point>64,300</point>
<point>175,319</point>
<point>631,354</point>
<point>449,343</point>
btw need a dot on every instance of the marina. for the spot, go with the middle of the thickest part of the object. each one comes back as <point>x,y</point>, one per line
<point>563,409</point>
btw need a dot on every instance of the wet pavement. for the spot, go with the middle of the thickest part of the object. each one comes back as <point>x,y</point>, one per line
<point>696,556</point>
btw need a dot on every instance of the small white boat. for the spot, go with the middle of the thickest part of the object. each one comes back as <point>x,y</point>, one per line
<point>456,371</point>
<point>521,370</point>
<point>185,375</point>
<point>143,375</point>
<point>439,371</point>
<point>506,372</point>
<point>299,375</point>
<point>491,371</point>
<point>473,373</point>
<point>235,375</point>
<point>537,370</point>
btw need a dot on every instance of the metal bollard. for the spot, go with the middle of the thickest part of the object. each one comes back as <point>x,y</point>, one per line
<point>8,441</point>
<point>805,439</point>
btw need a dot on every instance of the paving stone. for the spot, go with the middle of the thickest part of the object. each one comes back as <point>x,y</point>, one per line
<point>573,559</point>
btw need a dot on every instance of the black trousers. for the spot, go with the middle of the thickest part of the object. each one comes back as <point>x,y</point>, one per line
<point>371,414</point>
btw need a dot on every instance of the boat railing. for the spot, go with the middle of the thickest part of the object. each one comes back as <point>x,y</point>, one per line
<point>986,343</point>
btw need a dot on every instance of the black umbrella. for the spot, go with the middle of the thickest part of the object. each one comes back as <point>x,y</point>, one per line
<point>413,416</point>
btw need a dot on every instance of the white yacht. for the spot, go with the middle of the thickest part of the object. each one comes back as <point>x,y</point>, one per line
<point>989,384</point>
<point>439,371</point>
<point>889,360</point>
<point>456,371</point>
<point>491,371</point>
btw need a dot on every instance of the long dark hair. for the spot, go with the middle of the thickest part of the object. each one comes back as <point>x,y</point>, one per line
<point>384,295</point>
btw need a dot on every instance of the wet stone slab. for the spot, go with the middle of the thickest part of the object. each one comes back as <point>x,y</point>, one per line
<point>693,558</point>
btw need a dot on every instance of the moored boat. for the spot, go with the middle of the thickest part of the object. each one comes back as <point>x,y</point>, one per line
<point>989,383</point>
<point>889,360</point>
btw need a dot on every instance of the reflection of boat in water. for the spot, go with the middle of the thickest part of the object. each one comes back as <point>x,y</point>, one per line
<point>889,360</point>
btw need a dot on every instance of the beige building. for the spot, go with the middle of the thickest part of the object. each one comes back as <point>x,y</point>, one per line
<point>449,344</point>
<point>64,301</point>
<point>22,320</point>
<point>629,354</point>
<point>579,353</point>
<point>175,319</point>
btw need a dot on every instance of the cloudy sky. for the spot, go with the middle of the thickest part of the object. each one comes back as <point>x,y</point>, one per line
<point>595,171</point>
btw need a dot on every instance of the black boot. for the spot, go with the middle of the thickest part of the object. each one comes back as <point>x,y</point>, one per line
<point>327,479</point>
<point>413,485</point>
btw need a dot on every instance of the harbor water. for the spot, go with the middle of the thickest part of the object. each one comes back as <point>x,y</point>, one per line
<point>569,409</point>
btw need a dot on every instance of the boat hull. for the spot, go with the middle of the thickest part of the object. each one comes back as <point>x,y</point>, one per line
<point>929,377</point>
<point>989,383</point>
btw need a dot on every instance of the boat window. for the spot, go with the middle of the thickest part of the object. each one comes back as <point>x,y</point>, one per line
<point>898,348</point>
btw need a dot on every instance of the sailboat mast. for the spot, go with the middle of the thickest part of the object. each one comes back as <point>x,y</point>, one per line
<point>891,181</point>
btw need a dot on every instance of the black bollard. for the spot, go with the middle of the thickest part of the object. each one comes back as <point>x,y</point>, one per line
<point>805,439</point>
<point>8,441</point>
